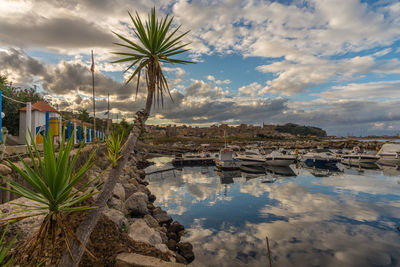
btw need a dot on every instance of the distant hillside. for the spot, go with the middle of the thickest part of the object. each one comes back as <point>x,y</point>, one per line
<point>296,129</point>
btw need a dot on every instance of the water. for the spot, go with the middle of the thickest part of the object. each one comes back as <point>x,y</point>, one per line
<point>331,218</point>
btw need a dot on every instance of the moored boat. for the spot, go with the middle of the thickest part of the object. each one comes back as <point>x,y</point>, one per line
<point>389,154</point>
<point>319,158</point>
<point>226,160</point>
<point>358,157</point>
<point>280,158</point>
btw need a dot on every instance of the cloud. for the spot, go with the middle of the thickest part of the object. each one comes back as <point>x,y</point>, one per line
<point>363,91</point>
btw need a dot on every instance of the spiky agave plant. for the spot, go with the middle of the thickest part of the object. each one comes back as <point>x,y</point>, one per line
<point>114,147</point>
<point>51,186</point>
<point>5,249</point>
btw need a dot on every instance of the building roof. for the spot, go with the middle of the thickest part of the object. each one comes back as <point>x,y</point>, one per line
<point>41,106</point>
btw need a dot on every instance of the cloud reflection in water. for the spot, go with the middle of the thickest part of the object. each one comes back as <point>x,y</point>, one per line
<point>342,220</point>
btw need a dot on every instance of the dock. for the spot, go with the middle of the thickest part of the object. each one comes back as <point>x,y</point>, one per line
<point>180,162</point>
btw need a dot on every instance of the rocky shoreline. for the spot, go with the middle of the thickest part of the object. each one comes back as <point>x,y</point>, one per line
<point>132,230</point>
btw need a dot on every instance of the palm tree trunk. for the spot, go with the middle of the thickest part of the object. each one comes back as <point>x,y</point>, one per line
<point>88,224</point>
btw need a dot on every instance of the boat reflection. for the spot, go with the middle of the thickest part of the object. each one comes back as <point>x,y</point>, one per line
<point>280,170</point>
<point>389,170</point>
<point>362,165</point>
<point>226,177</point>
<point>322,171</point>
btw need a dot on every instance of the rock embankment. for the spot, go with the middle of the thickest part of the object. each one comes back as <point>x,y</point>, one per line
<point>131,231</point>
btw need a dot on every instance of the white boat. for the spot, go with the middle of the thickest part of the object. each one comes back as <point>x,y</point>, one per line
<point>251,157</point>
<point>357,157</point>
<point>319,158</point>
<point>226,160</point>
<point>280,158</point>
<point>389,154</point>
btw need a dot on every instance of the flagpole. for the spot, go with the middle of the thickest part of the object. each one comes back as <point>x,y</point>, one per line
<point>94,101</point>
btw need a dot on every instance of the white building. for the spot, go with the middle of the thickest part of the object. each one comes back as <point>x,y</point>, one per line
<point>38,121</point>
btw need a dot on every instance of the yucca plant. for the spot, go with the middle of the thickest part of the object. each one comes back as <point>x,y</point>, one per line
<point>51,183</point>
<point>114,147</point>
<point>5,249</point>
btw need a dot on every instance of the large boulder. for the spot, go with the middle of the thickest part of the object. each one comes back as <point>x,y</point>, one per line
<point>186,250</point>
<point>161,216</point>
<point>140,231</point>
<point>133,259</point>
<point>137,204</point>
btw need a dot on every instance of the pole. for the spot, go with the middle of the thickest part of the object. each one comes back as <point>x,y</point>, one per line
<point>75,134</point>
<point>28,122</point>
<point>47,122</point>
<point>108,114</point>
<point>94,101</point>
<point>0,117</point>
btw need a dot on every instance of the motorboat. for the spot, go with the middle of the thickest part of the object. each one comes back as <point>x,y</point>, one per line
<point>226,160</point>
<point>251,157</point>
<point>357,157</point>
<point>319,158</point>
<point>389,155</point>
<point>280,158</point>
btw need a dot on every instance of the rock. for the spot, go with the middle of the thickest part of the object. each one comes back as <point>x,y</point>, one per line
<point>137,204</point>
<point>133,259</point>
<point>171,244</point>
<point>144,189</point>
<point>181,233</point>
<point>161,216</point>
<point>24,227</point>
<point>153,223</point>
<point>180,259</point>
<point>4,170</point>
<point>115,203</point>
<point>172,235</point>
<point>133,181</point>
<point>186,250</point>
<point>163,237</point>
<point>129,189</point>
<point>176,227</point>
<point>140,231</point>
<point>117,217</point>
<point>119,192</point>
<point>152,198</point>
<point>145,183</point>
<point>150,206</point>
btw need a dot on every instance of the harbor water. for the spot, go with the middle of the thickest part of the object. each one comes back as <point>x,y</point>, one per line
<point>312,217</point>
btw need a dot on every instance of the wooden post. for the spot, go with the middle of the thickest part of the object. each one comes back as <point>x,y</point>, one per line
<point>84,134</point>
<point>75,134</point>
<point>28,122</point>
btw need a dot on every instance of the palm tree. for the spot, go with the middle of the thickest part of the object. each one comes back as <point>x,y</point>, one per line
<point>155,46</point>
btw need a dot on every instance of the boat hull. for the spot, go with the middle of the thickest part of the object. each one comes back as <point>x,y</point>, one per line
<point>279,161</point>
<point>228,164</point>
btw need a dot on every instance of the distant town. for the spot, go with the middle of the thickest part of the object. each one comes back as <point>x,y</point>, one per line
<point>288,130</point>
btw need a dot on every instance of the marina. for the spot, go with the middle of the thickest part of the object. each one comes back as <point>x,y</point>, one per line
<point>347,216</point>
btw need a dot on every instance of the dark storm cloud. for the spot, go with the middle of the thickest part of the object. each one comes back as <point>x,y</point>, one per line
<point>64,78</point>
<point>70,32</point>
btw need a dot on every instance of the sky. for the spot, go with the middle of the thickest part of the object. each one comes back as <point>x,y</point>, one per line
<point>327,63</point>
